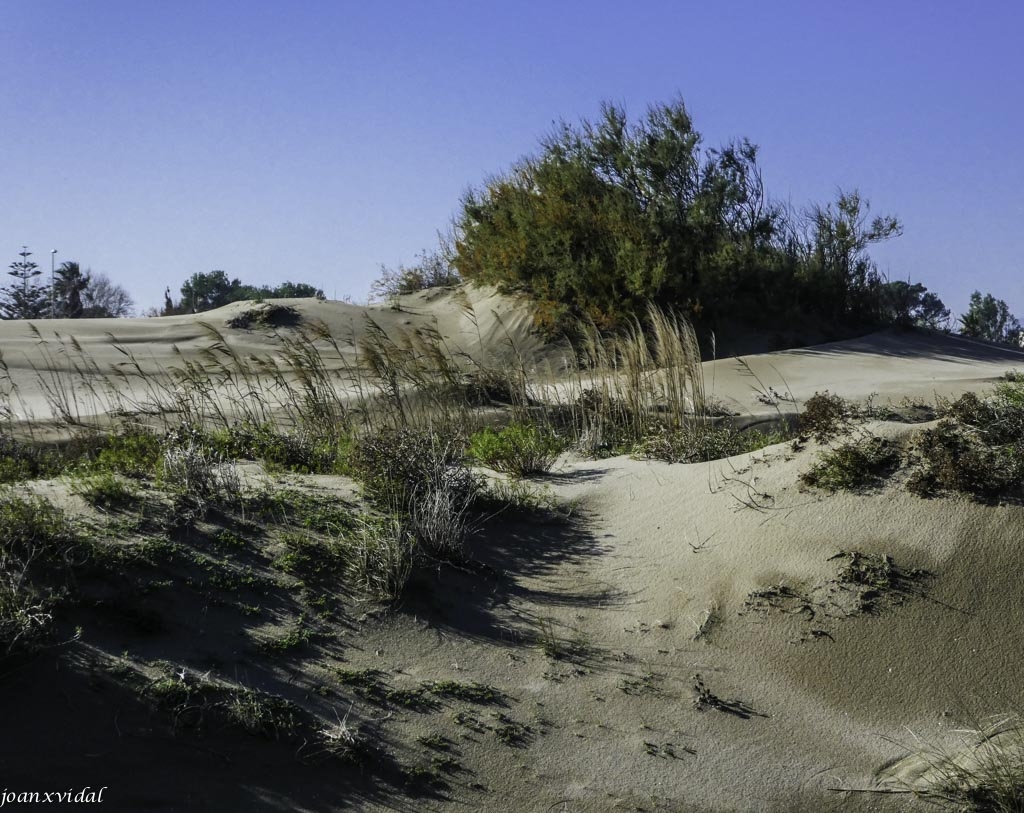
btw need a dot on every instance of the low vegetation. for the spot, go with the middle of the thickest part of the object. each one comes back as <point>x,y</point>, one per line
<point>854,465</point>
<point>517,449</point>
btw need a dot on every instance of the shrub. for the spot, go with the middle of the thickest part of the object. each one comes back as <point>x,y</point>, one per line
<point>952,458</point>
<point>700,443</point>
<point>519,449</point>
<point>393,465</point>
<point>265,314</point>
<point>422,479</point>
<point>824,416</point>
<point>854,465</point>
<point>24,461</point>
<point>977,448</point>
<point>132,453</point>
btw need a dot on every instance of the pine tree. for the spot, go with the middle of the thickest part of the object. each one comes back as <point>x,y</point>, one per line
<point>24,298</point>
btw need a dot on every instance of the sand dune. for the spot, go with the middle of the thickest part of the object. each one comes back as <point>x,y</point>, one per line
<point>715,659</point>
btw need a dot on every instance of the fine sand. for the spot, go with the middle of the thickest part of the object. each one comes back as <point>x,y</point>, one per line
<point>715,582</point>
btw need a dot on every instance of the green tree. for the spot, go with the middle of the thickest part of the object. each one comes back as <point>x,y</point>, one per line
<point>292,290</point>
<point>610,216</point>
<point>24,298</point>
<point>206,291</point>
<point>838,268</point>
<point>990,319</point>
<point>909,303</point>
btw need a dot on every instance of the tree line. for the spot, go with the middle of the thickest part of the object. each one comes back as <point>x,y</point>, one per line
<point>78,294</point>
<point>214,289</point>
<point>73,293</point>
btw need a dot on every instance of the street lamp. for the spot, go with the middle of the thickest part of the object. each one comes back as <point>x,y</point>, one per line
<point>53,256</point>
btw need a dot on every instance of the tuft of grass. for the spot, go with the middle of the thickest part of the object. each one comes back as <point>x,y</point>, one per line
<point>519,449</point>
<point>854,465</point>
<point>983,774</point>
<point>382,557</point>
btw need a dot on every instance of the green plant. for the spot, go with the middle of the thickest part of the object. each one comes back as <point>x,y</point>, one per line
<point>517,449</point>
<point>197,475</point>
<point>265,314</point>
<point>260,713</point>
<point>104,490</point>
<point>301,452</point>
<point>854,465</point>
<point>311,557</point>
<point>132,453</point>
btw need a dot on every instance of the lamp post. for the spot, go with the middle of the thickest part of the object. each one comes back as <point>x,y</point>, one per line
<point>53,257</point>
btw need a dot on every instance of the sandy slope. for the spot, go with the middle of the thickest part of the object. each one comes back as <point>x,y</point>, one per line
<point>819,688</point>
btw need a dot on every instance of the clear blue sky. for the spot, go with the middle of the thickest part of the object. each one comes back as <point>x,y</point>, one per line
<point>315,140</point>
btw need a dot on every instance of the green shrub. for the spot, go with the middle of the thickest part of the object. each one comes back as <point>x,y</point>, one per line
<point>134,454</point>
<point>854,465</point>
<point>951,458</point>
<point>310,557</point>
<point>25,461</point>
<point>518,449</point>
<point>421,479</point>
<point>197,475</point>
<point>395,466</point>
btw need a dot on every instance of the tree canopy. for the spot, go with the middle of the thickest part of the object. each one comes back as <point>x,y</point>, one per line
<point>214,289</point>
<point>990,319</point>
<point>611,215</point>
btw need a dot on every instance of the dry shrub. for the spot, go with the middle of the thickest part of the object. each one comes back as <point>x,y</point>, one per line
<point>824,416</point>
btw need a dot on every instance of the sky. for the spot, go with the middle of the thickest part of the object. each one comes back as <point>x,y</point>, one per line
<point>316,141</point>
